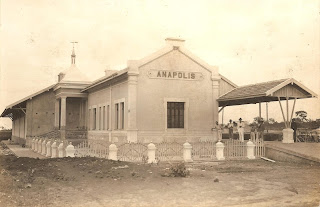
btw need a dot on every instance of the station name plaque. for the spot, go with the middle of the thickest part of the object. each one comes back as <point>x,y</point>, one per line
<point>169,74</point>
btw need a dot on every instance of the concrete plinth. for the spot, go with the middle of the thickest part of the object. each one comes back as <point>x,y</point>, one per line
<point>287,135</point>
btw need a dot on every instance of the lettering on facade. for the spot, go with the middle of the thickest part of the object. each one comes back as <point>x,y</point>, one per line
<point>168,74</point>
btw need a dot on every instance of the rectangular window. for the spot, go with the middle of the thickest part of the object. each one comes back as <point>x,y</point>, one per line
<point>122,115</point>
<point>119,115</point>
<point>116,117</point>
<point>104,118</point>
<point>99,119</point>
<point>175,115</point>
<point>108,117</point>
<point>94,119</point>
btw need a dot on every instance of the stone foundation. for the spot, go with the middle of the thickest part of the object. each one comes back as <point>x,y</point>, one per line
<point>287,135</point>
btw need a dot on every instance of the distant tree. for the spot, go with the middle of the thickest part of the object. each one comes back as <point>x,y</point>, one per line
<point>256,120</point>
<point>271,121</point>
<point>301,115</point>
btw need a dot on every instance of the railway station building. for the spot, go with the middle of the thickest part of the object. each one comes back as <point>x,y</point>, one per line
<point>168,95</point>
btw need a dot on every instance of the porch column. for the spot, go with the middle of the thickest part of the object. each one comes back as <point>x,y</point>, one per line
<point>56,113</point>
<point>63,117</point>
<point>132,131</point>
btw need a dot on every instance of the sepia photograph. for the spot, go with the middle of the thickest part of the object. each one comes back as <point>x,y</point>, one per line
<point>164,103</point>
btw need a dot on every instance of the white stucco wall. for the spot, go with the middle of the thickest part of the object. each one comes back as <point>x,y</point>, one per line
<point>153,92</point>
<point>104,97</point>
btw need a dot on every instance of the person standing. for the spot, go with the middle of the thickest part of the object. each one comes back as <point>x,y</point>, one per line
<point>260,129</point>
<point>219,130</point>
<point>241,130</point>
<point>253,133</point>
<point>294,126</point>
<point>230,127</point>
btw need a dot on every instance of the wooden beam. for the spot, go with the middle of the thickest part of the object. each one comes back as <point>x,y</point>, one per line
<point>23,110</point>
<point>221,109</point>
<point>284,118</point>
<point>294,104</point>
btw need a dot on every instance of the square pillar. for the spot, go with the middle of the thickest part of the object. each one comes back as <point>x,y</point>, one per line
<point>56,113</point>
<point>215,95</point>
<point>63,117</point>
<point>133,72</point>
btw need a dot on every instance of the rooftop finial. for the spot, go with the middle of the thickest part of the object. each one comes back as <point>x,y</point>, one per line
<point>73,55</point>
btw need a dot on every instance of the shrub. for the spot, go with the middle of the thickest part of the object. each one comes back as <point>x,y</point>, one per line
<point>179,170</point>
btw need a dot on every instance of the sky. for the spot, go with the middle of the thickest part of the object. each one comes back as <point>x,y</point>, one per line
<point>250,41</point>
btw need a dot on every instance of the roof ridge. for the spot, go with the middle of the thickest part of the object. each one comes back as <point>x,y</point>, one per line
<point>282,80</point>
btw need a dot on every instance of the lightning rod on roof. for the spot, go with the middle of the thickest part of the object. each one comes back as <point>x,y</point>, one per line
<point>73,55</point>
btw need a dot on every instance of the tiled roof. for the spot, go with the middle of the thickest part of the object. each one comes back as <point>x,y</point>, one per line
<point>253,90</point>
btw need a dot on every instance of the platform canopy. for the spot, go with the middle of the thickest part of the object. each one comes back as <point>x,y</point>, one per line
<point>277,90</point>
<point>266,92</point>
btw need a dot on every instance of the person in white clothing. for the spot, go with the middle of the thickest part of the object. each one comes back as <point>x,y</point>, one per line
<point>219,130</point>
<point>241,130</point>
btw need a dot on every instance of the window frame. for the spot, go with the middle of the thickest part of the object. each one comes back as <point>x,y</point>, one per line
<point>175,115</point>
<point>186,114</point>
<point>120,114</point>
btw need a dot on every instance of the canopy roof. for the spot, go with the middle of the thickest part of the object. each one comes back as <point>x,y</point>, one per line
<point>20,105</point>
<point>266,92</point>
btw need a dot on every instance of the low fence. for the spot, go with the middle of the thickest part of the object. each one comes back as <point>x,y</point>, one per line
<point>92,148</point>
<point>172,151</point>
<point>235,149</point>
<point>151,153</point>
<point>132,152</point>
<point>203,150</point>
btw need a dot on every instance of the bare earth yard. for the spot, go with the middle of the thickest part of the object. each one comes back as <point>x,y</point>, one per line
<point>100,182</point>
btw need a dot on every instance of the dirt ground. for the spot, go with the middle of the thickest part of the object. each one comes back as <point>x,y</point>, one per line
<point>100,182</point>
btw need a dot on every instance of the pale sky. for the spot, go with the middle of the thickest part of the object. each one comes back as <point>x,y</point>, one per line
<point>250,41</point>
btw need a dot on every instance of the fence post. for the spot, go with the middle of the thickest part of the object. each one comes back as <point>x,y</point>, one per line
<point>32,144</point>
<point>250,150</point>
<point>39,146</point>
<point>54,149</point>
<point>70,150</point>
<point>35,145</point>
<point>219,151</point>
<point>187,148</point>
<point>60,149</point>
<point>151,153</point>
<point>113,152</point>
<point>43,149</point>
<point>48,147</point>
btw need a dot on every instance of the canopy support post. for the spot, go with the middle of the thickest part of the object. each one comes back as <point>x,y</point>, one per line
<point>287,102</point>
<point>284,118</point>
<point>294,104</point>
<point>222,116</point>
<point>267,114</point>
<point>260,110</point>
<point>221,109</point>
